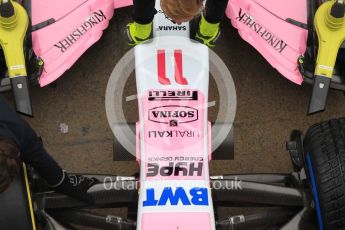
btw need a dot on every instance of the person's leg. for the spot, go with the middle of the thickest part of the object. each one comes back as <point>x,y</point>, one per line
<point>215,10</point>
<point>209,31</point>
<point>144,11</point>
<point>141,29</point>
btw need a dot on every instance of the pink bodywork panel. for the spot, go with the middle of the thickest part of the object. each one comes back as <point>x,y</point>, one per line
<point>122,3</point>
<point>173,221</point>
<point>209,133</point>
<point>176,143</point>
<point>280,42</point>
<point>172,89</point>
<point>294,9</point>
<point>69,16</point>
<point>78,25</point>
<point>137,142</point>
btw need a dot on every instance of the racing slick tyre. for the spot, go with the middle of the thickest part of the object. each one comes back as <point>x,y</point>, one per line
<point>325,148</point>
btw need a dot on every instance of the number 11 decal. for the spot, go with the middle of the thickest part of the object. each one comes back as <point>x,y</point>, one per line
<point>162,77</point>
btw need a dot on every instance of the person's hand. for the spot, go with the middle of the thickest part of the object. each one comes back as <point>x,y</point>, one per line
<point>77,186</point>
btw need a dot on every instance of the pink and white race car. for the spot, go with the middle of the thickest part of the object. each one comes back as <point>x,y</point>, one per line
<point>284,32</point>
<point>173,145</point>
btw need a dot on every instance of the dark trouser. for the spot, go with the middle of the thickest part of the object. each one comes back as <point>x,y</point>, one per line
<point>144,10</point>
<point>32,151</point>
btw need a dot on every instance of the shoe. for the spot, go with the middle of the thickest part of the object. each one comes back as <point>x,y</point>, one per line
<point>208,33</point>
<point>138,33</point>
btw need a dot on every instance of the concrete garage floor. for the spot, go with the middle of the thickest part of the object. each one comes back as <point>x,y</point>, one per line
<point>269,107</point>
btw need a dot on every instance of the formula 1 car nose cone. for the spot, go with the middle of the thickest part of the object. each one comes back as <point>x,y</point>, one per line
<point>173,77</point>
<point>166,114</point>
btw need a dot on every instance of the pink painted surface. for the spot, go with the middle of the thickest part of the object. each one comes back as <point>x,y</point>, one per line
<point>209,129</point>
<point>122,3</point>
<point>46,41</point>
<point>173,221</point>
<point>262,25</point>
<point>43,10</point>
<point>137,142</point>
<point>74,20</point>
<point>294,9</point>
<point>174,143</point>
<point>172,91</point>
